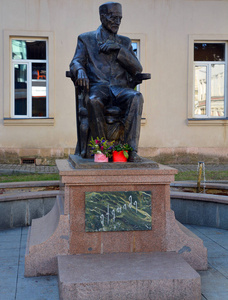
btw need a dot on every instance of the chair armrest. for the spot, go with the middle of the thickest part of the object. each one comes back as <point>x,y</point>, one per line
<point>142,76</point>
<point>138,78</point>
<point>71,76</point>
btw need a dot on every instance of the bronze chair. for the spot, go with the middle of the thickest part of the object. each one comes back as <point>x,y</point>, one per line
<point>113,116</point>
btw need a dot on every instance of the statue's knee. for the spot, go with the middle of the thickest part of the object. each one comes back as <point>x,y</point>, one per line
<point>95,101</point>
<point>138,98</point>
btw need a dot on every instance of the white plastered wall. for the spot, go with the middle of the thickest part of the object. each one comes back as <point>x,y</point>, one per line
<point>164,27</point>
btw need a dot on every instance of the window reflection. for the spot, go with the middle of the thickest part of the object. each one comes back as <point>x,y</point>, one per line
<point>22,49</point>
<point>217,90</point>
<point>20,89</point>
<point>135,48</point>
<point>39,71</point>
<point>39,106</point>
<point>200,90</point>
<point>38,89</point>
<point>209,52</point>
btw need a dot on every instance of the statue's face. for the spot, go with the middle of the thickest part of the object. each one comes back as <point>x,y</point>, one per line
<point>112,20</point>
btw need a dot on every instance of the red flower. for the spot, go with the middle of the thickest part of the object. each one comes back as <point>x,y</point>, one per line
<point>102,148</point>
<point>97,141</point>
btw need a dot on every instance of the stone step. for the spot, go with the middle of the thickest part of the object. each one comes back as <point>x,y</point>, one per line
<point>135,276</point>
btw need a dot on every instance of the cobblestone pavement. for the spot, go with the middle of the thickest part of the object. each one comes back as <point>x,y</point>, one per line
<point>13,168</point>
<point>184,168</point>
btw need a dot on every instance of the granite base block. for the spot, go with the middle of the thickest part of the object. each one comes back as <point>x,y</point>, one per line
<point>48,237</point>
<point>121,276</point>
<point>181,240</point>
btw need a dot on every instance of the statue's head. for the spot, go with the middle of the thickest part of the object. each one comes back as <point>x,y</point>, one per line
<point>111,15</point>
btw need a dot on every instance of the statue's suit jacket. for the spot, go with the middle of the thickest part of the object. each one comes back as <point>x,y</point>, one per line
<point>113,69</point>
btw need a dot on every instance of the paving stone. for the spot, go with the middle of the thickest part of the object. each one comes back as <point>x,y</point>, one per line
<point>209,230</point>
<point>214,250</point>
<point>7,292</point>
<point>221,240</point>
<point>8,237</point>
<point>23,238</point>
<point>24,230</point>
<point>38,288</point>
<point>14,244</point>
<point>220,264</point>
<point>9,231</point>
<point>8,282</point>
<point>214,281</point>
<point>214,285</point>
<point>8,258</point>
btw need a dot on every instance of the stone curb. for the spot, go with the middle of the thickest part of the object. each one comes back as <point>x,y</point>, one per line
<point>29,195</point>
<point>191,184</point>
<point>10,185</point>
<point>199,197</point>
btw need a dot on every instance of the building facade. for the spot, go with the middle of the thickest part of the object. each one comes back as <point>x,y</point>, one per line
<point>182,43</point>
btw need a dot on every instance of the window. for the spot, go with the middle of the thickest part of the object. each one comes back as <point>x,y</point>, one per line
<point>209,79</point>
<point>138,46</point>
<point>29,78</point>
<point>135,47</point>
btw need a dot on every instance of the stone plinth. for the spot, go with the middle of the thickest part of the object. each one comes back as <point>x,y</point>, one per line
<point>121,276</point>
<point>80,181</point>
<point>66,234</point>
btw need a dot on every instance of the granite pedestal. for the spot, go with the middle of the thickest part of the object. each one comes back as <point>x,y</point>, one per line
<point>68,236</point>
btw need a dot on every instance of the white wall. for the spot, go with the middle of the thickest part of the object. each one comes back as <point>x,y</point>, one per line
<point>163,25</point>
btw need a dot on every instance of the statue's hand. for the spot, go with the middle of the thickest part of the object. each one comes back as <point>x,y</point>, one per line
<point>82,79</point>
<point>109,46</point>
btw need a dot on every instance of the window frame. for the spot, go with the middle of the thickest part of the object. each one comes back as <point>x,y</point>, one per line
<point>29,63</point>
<point>9,118</point>
<point>205,119</point>
<point>208,65</point>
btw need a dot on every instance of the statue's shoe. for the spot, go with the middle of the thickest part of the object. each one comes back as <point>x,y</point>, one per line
<point>134,157</point>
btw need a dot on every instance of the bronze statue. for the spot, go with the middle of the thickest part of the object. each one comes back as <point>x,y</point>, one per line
<point>106,70</point>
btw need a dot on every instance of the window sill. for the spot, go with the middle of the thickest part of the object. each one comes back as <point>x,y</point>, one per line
<point>29,122</point>
<point>208,122</point>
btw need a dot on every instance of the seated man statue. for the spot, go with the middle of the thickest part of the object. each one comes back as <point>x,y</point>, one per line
<point>104,65</point>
